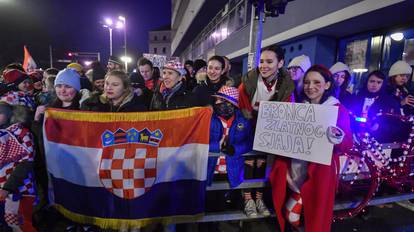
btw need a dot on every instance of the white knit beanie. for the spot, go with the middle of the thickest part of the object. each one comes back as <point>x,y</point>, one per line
<point>400,67</point>
<point>339,67</point>
<point>301,61</point>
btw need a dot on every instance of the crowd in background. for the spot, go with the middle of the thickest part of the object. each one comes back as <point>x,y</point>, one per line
<point>26,94</point>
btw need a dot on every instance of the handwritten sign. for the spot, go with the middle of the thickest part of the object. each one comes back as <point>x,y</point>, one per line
<point>295,130</point>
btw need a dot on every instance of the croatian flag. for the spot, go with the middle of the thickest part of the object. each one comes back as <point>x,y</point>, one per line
<point>128,170</point>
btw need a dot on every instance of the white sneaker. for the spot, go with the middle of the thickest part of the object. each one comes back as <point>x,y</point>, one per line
<point>261,208</point>
<point>250,208</point>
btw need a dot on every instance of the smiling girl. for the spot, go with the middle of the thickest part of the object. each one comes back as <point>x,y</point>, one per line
<point>172,93</point>
<point>305,188</point>
<point>216,79</point>
<point>269,82</point>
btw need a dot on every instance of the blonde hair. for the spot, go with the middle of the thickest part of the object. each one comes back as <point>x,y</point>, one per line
<point>122,76</point>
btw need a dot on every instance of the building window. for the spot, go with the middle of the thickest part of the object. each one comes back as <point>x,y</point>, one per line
<point>155,50</point>
<point>164,38</point>
<point>155,38</point>
<point>164,49</point>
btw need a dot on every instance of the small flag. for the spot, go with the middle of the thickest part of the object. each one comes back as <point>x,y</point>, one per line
<point>28,63</point>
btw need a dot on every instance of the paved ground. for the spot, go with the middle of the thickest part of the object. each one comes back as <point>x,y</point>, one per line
<point>387,218</point>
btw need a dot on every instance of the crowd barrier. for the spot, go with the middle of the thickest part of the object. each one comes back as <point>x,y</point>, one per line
<point>238,215</point>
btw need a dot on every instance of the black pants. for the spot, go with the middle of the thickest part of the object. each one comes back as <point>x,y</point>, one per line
<point>254,172</point>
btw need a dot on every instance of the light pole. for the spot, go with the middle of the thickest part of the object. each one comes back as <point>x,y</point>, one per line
<point>108,24</point>
<point>110,41</point>
<point>123,19</point>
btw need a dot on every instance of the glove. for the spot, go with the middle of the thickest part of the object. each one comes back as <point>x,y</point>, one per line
<point>335,134</point>
<point>227,149</point>
<point>4,136</point>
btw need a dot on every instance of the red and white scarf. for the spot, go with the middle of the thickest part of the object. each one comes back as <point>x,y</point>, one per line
<point>221,161</point>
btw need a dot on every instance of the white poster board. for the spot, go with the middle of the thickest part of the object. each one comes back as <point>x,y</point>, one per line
<point>408,54</point>
<point>157,60</point>
<point>356,54</point>
<point>295,130</point>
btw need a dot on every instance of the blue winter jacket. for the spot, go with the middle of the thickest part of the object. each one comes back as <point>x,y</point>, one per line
<point>241,137</point>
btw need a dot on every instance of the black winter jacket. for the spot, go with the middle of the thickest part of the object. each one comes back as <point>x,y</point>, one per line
<point>100,103</point>
<point>182,98</point>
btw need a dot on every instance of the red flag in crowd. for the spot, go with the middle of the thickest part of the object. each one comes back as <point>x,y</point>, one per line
<point>28,63</point>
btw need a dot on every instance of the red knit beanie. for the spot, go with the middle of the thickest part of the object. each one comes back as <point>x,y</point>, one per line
<point>14,76</point>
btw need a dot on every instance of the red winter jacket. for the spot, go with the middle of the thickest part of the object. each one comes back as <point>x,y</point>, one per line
<point>318,191</point>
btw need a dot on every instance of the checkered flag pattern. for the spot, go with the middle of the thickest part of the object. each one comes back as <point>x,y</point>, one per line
<point>221,167</point>
<point>228,93</point>
<point>175,65</point>
<point>128,173</point>
<point>18,98</point>
<point>27,187</point>
<point>13,219</point>
<point>24,137</point>
<point>293,209</point>
<point>16,146</point>
<point>11,212</point>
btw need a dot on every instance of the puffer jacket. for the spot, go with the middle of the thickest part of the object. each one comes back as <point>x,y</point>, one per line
<point>240,137</point>
<point>180,99</point>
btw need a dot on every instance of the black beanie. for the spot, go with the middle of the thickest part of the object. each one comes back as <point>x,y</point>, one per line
<point>198,64</point>
<point>98,73</point>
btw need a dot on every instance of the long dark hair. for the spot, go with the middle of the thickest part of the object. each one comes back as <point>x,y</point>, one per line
<point>280,53</point>
<point>344,85</point>
<point>327,76</point>
<point>221,60</point>
<point>340,90</point>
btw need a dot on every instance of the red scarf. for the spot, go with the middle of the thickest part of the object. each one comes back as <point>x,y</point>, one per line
<point>221,167</point>
<point>270,84</point>
<point>149,84</point>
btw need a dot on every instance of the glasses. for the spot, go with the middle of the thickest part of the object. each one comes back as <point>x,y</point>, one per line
<point>294,68</point>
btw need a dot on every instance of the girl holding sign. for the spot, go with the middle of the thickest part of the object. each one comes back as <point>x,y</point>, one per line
<point>269,82</point>
<point>305,188</point>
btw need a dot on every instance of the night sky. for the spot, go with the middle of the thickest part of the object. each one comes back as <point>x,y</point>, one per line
<point>75,26</point>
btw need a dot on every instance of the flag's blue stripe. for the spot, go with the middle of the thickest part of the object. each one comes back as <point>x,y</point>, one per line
<point>184,197</point>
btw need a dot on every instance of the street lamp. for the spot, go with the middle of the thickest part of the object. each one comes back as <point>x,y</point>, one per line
<point>126,60</point>
<point>123,19</point>
<point>109,23</point>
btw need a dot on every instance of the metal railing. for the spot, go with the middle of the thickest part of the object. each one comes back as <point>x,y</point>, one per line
<point>238,215</point>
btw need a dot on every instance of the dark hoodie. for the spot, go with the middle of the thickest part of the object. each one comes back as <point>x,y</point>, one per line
<point>399,93</point>
<point>383,101</point>
<point>390,128</point>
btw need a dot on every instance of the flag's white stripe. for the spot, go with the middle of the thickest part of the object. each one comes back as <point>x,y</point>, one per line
<point>80,165</point>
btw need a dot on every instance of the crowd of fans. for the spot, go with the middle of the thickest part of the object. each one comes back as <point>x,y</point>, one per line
<point>26,94</point>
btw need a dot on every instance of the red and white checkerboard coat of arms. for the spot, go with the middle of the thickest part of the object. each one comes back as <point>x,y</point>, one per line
<point>128,170</point>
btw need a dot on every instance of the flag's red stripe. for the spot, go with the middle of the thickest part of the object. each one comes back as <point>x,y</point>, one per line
<point>176,132</point>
